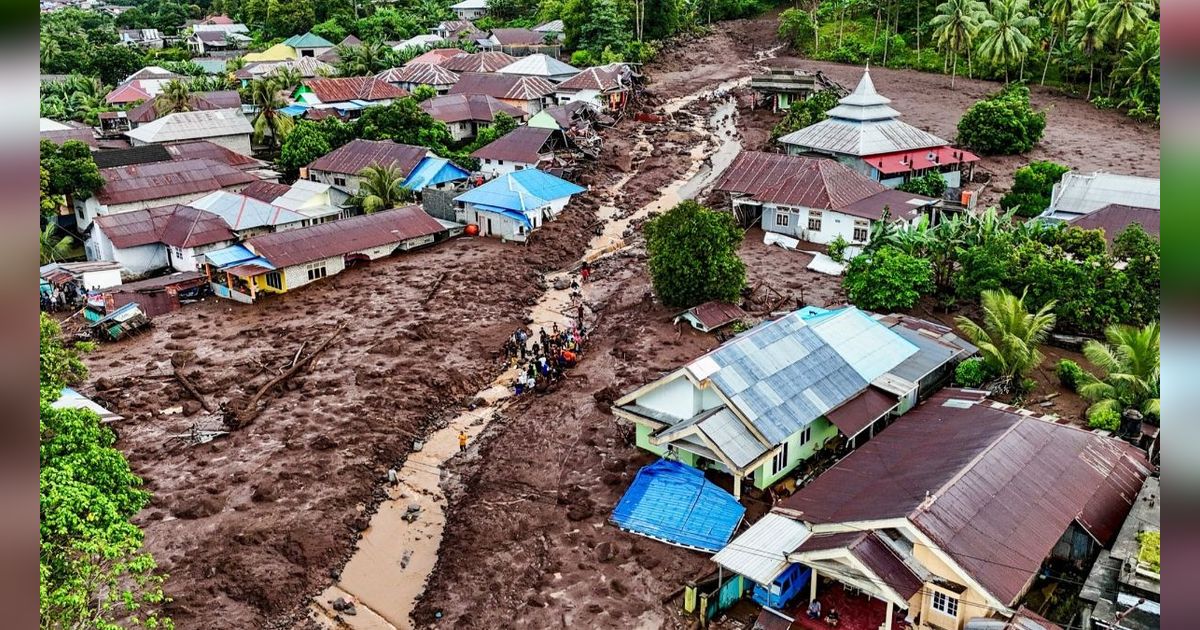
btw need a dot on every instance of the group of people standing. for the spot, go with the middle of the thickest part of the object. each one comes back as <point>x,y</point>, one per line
<point>65,297</point>
<point>553,352</point>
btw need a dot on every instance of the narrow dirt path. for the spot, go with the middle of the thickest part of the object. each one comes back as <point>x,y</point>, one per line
<point>396,555</point>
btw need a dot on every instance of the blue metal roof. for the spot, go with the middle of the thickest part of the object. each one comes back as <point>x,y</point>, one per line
<point>527,189</point>
<point>674,503</point>
<point>544,184</point>
<point>515,215</point>
<point>499,196</point>
<point>230,255</point>
<point>432,171</point>
<point>293,110</point>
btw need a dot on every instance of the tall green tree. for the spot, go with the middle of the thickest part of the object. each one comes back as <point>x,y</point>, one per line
<point>693,255</point>
<point>1058,13</point>
<point>381,188</point>
<point>1088,35</point>
<point>71,169</point>
<point>887,278</point>
<point>54,247</point>
<point>1130,366</point>
<point>268,122</point>
<point>1009,336</point>
<point>93,570</point>
<point>403,121</point>
<point>1005,41</point>
<point>955,26</point>
<point>1124,19</point>
<point>175,97</point>
<point>305,143</point>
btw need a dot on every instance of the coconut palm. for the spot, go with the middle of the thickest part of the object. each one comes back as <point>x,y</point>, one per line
<point>1088,35</point>
<point>1009,336</point>
<point>364,59</point>
<point>264,96</point>
<point>382,187</point>
<point>287,77</point>
<point>955,27</point>
<point>1004,40</point>
<point>53,247</point>
<point>1130,361</point>
<point>1058,12</point>
<point>1140,61</point>
<point>1123,19</point>
<point>175,97</point>
<point>48,50</point>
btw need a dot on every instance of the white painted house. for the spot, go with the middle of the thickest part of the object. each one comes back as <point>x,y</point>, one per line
<point>142,186</point>
<point>174,236</point>
<point>513,205</point>
<point>519,149</point>
<point>470,9</point>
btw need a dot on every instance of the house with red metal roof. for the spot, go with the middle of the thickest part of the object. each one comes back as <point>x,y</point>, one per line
<point>436,56</point>
<point>866,134</point>
<point>814,199</point>
<point>411,75</point>
<point>951,515</point>
<point>420,167</point>
<point>172,236</point>
<point>487,61</point>
<point>607,87</point>
<point>349,94</point>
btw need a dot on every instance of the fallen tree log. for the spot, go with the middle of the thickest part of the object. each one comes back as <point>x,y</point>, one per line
<point>240,415</point>
<point>180,361</point>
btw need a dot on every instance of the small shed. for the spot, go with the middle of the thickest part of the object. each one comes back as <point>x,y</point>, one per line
<point>157,296</point>
<point>780,87</point>
<point>710,316</point>
<point>120,323</point>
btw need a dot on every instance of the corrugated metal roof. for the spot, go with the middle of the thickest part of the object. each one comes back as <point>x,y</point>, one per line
<point>177,279</point>
<point>1114,218</point>
<point>233,254</point>
<point>713,315</point>
<point>502,86</point>
<point>352,157</point>
<point>205,150</point>
<point>845,137</point>
<point>489,61</point>
<point>674,503</point>
<point>517,37</point>
<point>602,78</point>
<point>243,213</point>
<point>920,159</point>
<point>450,108</point>
<point>540,65</point>
<point>266,191</point>
<point>760,552</point>
<point>59,136</point>
<point>326,240</point>
<point>796,181</point>
<point>198,101</point>
<point>71,399</point>
<point>553,26</point>
<point>422,73</point>
<point>340,89</point>
<point>193,126</point>
<point>859,412</point>
<point>433,171</point>
<point>175,225</point>
<point>726,431</point>
<point>159,180</point>
<point>436,56</point>
<point>870,348</point>
<point>523,144</point>
<point>470,4</point>
<point>134,155</point>
<point>1003,485</point>
<point>523,190</point>
<point>900,205</point>
<point>307,40</point>
<point>127,93</point>
<point>1079,193</point>
<point>879,557</point>
<point>308,67</point>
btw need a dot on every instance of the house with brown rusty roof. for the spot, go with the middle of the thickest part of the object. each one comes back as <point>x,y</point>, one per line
<point>814,199</point>
<point>420,167</point>
<point>172,236</point>
<point>436,56</point>
<point>466,114</point>
<point>528,93</point>
<point>287,260</point>
<point>948,516</point>
<point>197,101</point>
<point>519,149</point>
<point>141,186</point>
<point>510,38</point>
<point>488,61</point>
<point>411,75</point>
<point>346,93</point>
<point>1116,218</point>
<point>607,87</point>
<point>227,127</point>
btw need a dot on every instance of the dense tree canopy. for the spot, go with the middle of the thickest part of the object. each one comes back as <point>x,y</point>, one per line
<point>693,255</point>
<point>1032,184</point>
<point>70,168</point>
<point>1004,123</point>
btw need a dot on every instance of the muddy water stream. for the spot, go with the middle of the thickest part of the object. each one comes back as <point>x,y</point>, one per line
<point>395,556</point>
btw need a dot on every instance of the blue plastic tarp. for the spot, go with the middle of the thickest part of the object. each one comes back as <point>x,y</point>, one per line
<point>229,255</point>
<point>674,503</point>
<point>432,171</point>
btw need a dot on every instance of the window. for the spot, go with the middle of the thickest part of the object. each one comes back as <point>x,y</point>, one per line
<point>805,436</point>
<point>274,280</point>
<point>945,604</point>
<point>339,181</point>
<point>781,218</point>
<point>312,177</point>
<point>316,270</point>
<point>860,230</point>
<point>500,162</point>
<point>781,459</point>
<point>814,220</point>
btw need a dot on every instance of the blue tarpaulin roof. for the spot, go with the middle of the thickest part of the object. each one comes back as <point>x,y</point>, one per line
<point>527,189</point>
<point>674,503</point>
<point>432,171</point>
<point>293,110</point>
<point>229,255</point>
<point>515,215</point>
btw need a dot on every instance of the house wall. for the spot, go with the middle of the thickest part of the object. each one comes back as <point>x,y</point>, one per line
<point>502,167</point>
<point>530,107</point>
<point>100,279</point>
<point>349,183</point>
<point>141,259</point>
<point>971,603</point>
<point>297,275</point>
<point>822,430</point>
<point>833,224</point>
<point>589,96</point>
<point>500,226</point>
<point>470,14</point>
<point>678,398</point>
<point>188,258</point>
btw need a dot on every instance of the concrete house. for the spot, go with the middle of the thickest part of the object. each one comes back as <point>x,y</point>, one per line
<point>174,236</point>
<point>814,199</point>
<point>141,37</point>
<point>411,75</point>
<point>283,261</point>
<point>767,400</point>
<point>470,9</point>
<point>1079,194</point>
<point>519,149</point>
<point>435,56</point>
<point>226,127</point>
<point>141,85</point>
<point>348,94</point>
<point>247,216</point>
<point>541,65</point>
<point>317,202</point>
<point>513,205</point>
<point>457,31</point>
<point>89,276</point>
<point>422,168</point>
<point>527,93</point>
<point>945,520</point>
<point>198,102</point>
<point>607,87</point>
<point>864,133</point>
<point>142,186</point>
<point>514,39</point>
<point>308,45</point>
<point>553,28</point>
<point>466,114</point>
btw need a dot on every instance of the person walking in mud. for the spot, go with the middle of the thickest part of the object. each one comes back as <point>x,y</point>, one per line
<point>585,271</point>
<point>462,441</point>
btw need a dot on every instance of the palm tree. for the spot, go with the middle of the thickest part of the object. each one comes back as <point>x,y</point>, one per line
<point>1005,41</point>
<point>1058,12</point>
<point>1010,335</point>
<point>53,247</point>
<point>1088,35</point>
<point>1122,19</point>
<point>175,97</point>
<point>264,96</point>
<point>48,50</point>
<point>1130,361</point>
<point>382,187</point>
<point>364,59</point>
<point>287,77</point>
<point>1139,65</point>
<point>955,27</point>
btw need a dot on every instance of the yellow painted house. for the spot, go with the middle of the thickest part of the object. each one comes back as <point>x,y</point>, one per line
<point>954,513</point>
<point>278,52</point>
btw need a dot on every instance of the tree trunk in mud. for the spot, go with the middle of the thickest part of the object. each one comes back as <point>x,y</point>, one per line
<point>1049,53</point>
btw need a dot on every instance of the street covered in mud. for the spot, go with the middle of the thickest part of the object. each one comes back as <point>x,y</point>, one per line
<point>269,525</point>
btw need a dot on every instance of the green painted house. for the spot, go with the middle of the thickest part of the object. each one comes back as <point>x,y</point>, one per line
<point>765,401</point>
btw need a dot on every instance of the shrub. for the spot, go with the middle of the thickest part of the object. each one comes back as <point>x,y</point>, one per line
<point>887,279</point>
<point>1032,184</point>
<point>930,184</point>
<point>693,255</point>
<point>972,373</point>
<point>1003,123</point>
<point>1104,418</point>
<point>1069,374</point>
<point>1150,549</point>
<point>837,248</point>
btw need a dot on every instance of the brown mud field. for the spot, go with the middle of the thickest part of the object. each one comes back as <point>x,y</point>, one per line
<point>252,526</point>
